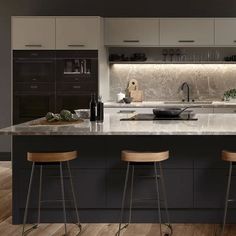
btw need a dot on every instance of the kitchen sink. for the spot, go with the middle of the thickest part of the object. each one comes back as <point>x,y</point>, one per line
<point>189,103</point>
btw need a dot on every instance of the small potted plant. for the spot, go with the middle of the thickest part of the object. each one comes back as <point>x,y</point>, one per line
<point>230,95</point>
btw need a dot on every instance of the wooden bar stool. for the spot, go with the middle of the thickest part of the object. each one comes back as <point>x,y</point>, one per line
<point>231,158</point>
<point>43,159</point>
<point>134,158</point>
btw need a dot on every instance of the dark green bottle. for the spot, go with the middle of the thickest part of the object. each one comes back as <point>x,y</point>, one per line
<point>100,110</point>
<point>93,108</point>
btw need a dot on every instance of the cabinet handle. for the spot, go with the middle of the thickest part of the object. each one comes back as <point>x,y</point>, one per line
<point>131,41</point>
<point>34,79</point>
<point>186,41</point>
<point>76,87</point>
<point>234,41</point>
<point>76,45</point>
<point>33,86</point>
<point>34,45</point>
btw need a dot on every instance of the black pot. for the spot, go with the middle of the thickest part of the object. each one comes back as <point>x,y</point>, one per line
<point>170,111</point>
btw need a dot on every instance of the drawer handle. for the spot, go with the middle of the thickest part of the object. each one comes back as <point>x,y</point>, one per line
<point>76,87</point>
<point>126,111</point>
<point>33,86</point>
<point>186,41</point>
<point>76,45</point>
<point>34,79</point>
<point>131,41</point>
<point>34,45</point>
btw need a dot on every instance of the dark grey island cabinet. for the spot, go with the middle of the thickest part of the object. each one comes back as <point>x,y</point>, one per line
<point>195,177</point>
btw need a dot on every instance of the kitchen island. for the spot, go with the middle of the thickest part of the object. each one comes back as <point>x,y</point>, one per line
<point>195,175</point>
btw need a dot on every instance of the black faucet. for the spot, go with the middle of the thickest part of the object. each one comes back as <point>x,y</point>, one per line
<point>185,84</point>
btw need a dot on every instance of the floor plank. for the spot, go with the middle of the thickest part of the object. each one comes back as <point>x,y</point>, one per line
<point>7,229</point>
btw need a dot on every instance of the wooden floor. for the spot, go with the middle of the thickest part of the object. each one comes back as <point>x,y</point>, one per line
<point>6,228</point>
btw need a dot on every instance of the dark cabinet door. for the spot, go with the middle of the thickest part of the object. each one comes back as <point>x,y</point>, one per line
<point>179,184</point>
<point>210,188</point>
<point>28,107</point>
<point>89,186</point>
<point>72,101</point>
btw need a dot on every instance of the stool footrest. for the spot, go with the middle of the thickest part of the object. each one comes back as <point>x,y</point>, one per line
<point>43,201</point>
<point>231,200</point>
<point>149,176</point>
<point>144,199</point>
<point>35,226</point>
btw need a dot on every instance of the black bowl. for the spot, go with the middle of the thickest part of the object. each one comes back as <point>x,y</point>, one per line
<point>127,99</point>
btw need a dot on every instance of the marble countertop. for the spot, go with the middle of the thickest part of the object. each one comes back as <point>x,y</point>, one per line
<point>152,104</point>
<point>207,124</point>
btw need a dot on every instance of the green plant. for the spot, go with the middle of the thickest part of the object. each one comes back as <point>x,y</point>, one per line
<point>230,94</point>
<point>66,115</point>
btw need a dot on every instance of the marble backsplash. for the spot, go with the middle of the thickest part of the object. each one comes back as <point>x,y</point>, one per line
<point>163,81</point>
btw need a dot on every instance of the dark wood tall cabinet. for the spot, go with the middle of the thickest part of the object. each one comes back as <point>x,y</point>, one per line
<point>51,81</point>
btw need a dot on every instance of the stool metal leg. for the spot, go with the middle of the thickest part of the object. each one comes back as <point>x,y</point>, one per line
<point>227,198</point>
<point>123,200</point>
<point>27,203</point>
<point>63,197</point>
<point>163,186</point>
<point>158,197</point>
<point>131,195</point>
<point>40,193</point>
<point>74,197</point>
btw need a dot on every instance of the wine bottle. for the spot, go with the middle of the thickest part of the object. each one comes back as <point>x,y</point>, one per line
<point>100,110</point>
<point>93,108</point>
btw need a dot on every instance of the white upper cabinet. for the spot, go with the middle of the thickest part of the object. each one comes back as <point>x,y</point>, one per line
<point>77,33</point>
<point>187,32</point>
<point>33,33</point>
<point>225,31</point>
<point>132,31</point>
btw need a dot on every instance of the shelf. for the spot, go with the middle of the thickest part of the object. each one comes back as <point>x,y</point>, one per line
<point>76,73</point>
<point>172,62</point>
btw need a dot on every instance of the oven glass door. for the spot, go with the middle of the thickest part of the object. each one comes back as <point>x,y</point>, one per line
<point>78,66</point>
<point>34,66</point>
<point>33,71</point>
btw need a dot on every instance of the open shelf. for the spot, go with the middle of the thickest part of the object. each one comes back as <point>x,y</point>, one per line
<point>172,62</point>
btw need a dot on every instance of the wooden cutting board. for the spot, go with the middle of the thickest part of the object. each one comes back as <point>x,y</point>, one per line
<point>134,92</point>
<point>137,95</point>
<point>45,122</point>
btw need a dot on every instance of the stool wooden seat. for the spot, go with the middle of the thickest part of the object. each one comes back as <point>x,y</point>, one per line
<point>228,156</point>
<point>39,160</point>
<point>131,156</point>
<point>51,157</point>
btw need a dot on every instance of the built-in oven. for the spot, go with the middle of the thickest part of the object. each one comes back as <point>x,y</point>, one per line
<point>33,84</point>
<point>76,66</point>
<point>33,66</point>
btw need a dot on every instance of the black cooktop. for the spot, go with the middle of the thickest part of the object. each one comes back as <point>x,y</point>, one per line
<point>147,117</point>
